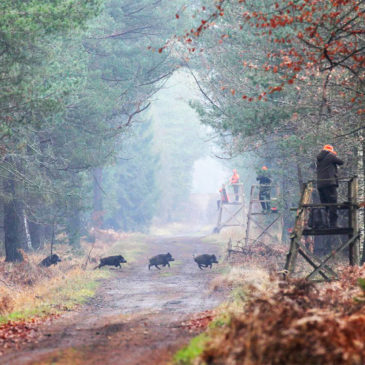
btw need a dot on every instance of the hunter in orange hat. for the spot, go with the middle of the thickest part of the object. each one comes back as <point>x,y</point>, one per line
<point>327,180</point>
<point>329,148</point>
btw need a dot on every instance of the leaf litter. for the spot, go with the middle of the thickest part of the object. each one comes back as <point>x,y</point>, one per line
<point>295,322</point>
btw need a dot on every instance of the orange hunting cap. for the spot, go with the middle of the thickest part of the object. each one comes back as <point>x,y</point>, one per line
<point>329,148</point>
<point>264,168</point>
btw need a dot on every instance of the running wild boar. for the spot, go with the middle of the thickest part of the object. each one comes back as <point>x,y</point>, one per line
<point>163,259</point>
<point>205,260</point>
<point>50,260</point>
<point>111,261</point>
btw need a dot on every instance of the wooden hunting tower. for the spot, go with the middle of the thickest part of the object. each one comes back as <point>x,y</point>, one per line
<point>231,212</point>
<point>320,266</point>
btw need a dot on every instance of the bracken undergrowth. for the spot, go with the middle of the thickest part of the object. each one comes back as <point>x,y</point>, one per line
<point>295,322</point>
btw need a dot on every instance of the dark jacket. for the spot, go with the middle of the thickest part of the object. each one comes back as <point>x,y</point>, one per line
<point>264,179</point>
<point>327,169</point>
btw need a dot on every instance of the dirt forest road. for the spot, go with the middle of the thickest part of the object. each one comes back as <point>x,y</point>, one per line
<point>136,316</point>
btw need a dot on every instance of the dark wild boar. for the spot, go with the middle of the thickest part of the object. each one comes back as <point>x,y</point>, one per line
<point>163,259</point>
<point>205,260</point>
<point>50,260</point>
<point>111,261</point>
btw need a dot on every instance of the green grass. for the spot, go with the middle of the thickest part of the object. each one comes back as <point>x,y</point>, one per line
<point>196,346</point>
<point>66,290</point>
<point>189,353</point>
<point>239,295</point>
<point>222,320</point>
<point>166,274</point>
<point>64,296</point>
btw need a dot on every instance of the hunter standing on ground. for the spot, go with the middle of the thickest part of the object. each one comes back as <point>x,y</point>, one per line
<point>235,179</point>
<point>265,188</point>
<point>327,180</point>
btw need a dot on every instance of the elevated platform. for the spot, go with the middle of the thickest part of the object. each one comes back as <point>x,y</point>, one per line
<point>344,205</point>
<point>320,269</point>
<point>327,231</point>
<point>230,213</point>
<point>274,212</point>
<point>256,211</point>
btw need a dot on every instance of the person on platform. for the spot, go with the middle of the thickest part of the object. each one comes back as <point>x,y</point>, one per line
<point>235,179</point>
<point>327,180</point>
<point>265,188</point>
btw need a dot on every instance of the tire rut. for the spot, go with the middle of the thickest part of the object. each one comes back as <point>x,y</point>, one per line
<point>135,316</point>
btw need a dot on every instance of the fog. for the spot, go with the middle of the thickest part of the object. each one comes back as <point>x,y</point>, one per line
<point>209,174</point>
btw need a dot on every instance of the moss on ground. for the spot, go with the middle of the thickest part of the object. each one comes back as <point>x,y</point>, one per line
<point>186,355</point>
<point>221,320</point>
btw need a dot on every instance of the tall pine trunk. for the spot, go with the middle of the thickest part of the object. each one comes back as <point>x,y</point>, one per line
<point>73,227</point>
<point>361,195</point>
<point>98,198</point>
<point>27,240</point>
<point>13,222</point>
<point>73,219</point>
<point>36,232</point>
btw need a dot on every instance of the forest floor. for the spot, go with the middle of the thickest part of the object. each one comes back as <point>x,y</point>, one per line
<point>136,317</point>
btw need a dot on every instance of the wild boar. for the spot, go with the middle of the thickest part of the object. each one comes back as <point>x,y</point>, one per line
<point>50,260</point>
<point>111,261</point>
<point>205,260</point>
<point>163,259</point>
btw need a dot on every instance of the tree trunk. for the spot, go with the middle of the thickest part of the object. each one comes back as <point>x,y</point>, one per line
<point>13,222</point>
<point>288,221</point>
<point>74,228</point>
<point>36,232</point>
<point>98,198</point>
<point>361,194</point>
<point>28,240</point>
<point>2,233</point>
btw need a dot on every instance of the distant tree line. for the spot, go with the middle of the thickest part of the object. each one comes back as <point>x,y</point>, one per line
<point>74,77</point>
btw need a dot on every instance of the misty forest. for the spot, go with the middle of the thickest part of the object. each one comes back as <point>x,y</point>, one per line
<point>182,182</point>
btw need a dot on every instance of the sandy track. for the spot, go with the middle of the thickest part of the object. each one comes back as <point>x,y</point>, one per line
<point>135,317</point>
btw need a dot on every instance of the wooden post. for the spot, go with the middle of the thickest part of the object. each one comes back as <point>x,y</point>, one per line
<point>296,235</point>
<point>242,196</point>
<point>249,215</point>
<point>218,227</point>
<point>354,248</point>
<point>229,247</point>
